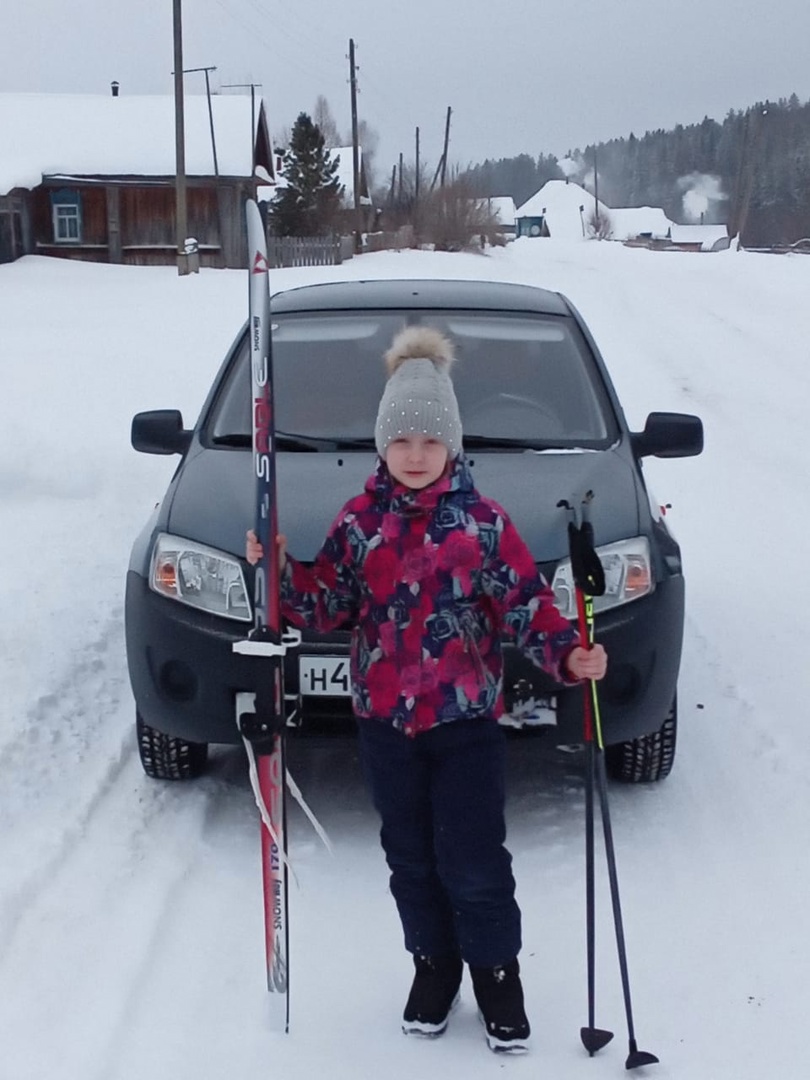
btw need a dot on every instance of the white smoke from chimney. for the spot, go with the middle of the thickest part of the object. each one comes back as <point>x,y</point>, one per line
<point>701,193</point>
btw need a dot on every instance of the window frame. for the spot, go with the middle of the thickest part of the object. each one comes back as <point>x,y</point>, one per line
<point>66,208</point>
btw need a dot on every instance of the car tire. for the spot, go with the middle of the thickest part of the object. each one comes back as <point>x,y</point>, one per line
<point>647,758</point>
<point>165,757</point>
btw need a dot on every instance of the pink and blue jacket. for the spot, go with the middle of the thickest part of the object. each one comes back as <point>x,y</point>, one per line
<point>431,582</point>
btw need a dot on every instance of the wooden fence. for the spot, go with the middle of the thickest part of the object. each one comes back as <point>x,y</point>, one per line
<point>308,250</point>
<point>390,241</point>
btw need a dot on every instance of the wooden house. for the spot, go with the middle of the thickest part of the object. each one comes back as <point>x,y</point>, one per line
<point>93,177</point>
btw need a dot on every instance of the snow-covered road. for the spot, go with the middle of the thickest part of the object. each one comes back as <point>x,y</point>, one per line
<point>130,915</point>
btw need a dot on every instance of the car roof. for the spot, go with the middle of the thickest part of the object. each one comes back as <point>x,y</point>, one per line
<point>420,293</point>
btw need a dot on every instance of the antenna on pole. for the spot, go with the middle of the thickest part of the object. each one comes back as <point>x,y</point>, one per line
<point>244,86</point>
<point>187,71</point>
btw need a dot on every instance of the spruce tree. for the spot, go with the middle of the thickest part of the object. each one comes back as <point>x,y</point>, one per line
<point>309,204</point>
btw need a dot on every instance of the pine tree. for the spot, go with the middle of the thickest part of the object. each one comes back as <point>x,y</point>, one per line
<point>310,203</point>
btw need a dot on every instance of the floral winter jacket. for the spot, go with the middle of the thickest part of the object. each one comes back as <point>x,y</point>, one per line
<point>431,580</point>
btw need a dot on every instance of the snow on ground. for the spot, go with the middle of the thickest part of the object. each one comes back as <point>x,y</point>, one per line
<point>130,917</point>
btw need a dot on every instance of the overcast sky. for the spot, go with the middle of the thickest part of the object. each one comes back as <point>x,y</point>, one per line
<point>522,76</point>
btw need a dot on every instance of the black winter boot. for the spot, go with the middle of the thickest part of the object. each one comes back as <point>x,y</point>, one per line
<point>499,994</point>
<point>433,994</point>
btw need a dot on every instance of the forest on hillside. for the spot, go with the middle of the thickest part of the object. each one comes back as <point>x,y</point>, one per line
<point>751,171</point>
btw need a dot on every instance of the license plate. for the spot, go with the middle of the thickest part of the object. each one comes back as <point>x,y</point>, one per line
<point>324,676</point>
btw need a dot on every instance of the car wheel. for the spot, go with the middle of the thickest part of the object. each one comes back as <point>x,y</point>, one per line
<point>165,757</point>
<point>647,758</point>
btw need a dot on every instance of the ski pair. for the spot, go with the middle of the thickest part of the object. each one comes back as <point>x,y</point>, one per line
<point>589,581</point>
<point>262,725</point>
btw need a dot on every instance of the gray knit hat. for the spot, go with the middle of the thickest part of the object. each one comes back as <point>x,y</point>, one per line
<point>419,398</point>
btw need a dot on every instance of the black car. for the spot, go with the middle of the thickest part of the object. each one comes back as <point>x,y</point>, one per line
<point>542,423</point>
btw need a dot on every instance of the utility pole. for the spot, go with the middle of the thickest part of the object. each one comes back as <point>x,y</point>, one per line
<point>358,215</point>
<point>183,266</point>
<point>446,144</point>
<point>437,173</point>
<point>244,86</point>
<point>752,132</point>
<point>416,181</point>
<point>220,227</point>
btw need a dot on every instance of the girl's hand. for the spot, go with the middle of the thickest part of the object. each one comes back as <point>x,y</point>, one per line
<point>254,550</point>
<point>587,663</point>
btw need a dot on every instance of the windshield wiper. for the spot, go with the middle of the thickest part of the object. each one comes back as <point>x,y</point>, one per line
<point>481,442</point>
<point>286,440</point>
<point>283,441</point>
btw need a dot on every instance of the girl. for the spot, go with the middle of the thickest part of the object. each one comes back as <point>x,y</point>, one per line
<point>432,577</point>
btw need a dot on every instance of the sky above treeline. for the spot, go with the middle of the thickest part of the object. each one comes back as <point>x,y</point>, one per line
<point>521,76</point>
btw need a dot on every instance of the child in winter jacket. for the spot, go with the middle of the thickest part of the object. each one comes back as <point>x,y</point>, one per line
<point>432,577</point>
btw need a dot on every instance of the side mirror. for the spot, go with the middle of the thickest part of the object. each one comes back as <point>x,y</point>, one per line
<point>669,435</point>
<point>160,431</point>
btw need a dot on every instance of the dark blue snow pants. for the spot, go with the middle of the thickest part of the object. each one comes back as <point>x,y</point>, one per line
<point>440,795</point>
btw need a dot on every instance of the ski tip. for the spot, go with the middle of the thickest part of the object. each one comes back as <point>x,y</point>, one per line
<point>593,1039</point>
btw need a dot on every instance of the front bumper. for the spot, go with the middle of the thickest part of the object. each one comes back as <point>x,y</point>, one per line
<point>185,676</point>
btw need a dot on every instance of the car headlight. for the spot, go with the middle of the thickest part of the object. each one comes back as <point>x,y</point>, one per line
<point>628,576</point>
<point>199,576</point>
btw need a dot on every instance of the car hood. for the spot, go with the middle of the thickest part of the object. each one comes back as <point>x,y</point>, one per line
<point>314,486</point>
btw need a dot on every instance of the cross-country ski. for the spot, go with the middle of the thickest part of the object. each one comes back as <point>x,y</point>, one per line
<point>262,726</point>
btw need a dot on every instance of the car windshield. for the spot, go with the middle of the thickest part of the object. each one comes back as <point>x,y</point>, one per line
<point>522,381</point>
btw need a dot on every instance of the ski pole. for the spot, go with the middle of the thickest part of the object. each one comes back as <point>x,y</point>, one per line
<point>593,1038</point>
<point>583,560</point>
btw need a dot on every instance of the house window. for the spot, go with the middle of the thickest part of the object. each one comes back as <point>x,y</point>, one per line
<point>66,209</point>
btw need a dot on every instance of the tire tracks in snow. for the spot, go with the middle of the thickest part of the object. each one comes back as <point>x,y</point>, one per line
<point>172,957</point>
<point>89,926</point>
<point>59,769</point>
<point>89,938</point>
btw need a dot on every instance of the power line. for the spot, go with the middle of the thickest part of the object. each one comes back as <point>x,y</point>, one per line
<point>277,56</point>
<point>308,43</point>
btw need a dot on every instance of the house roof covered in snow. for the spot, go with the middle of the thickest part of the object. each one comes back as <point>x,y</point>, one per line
<point>101,135</point>
<point>503,206</point>
<point>560,202</point>
<point>705,235</point>
<point>629,221</point>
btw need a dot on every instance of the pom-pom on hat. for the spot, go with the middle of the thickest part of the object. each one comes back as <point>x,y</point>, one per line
<point>419,398</point>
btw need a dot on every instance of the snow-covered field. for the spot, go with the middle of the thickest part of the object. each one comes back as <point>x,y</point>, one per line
<point>130,917</point>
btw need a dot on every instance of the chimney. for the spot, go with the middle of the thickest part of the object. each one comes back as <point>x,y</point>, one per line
<point>114,88</point>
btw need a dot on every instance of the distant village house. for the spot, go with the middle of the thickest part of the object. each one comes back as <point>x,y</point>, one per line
<point>92,177</point>
<point>562,209</point>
